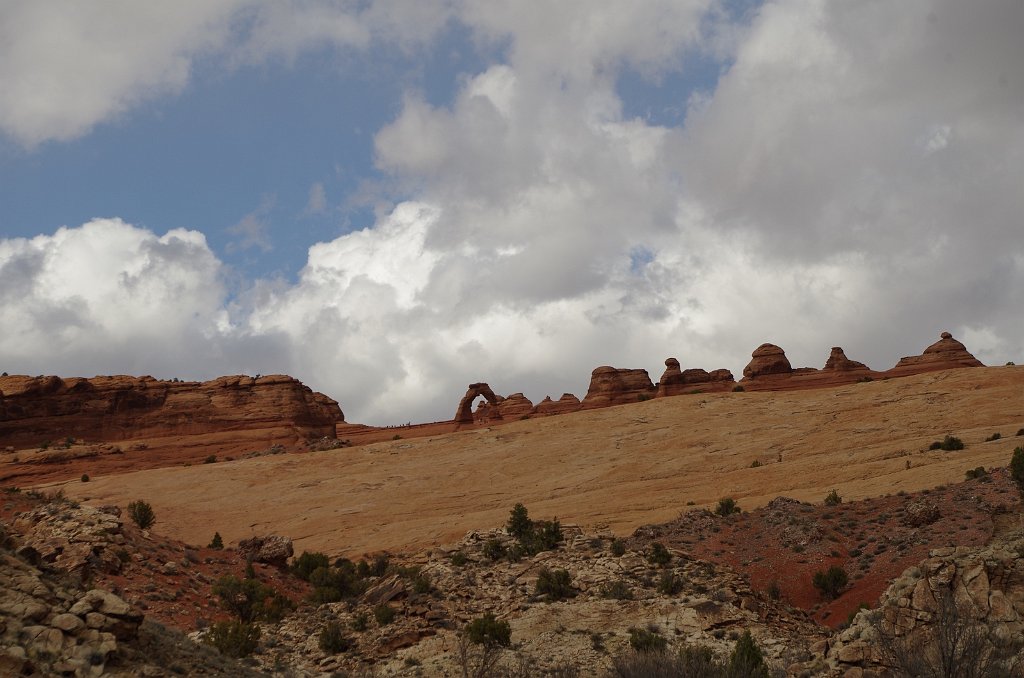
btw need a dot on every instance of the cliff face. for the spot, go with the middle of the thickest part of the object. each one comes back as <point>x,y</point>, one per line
<point>36,409</point>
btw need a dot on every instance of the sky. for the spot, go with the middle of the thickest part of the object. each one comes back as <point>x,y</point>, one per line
<point>389,200</point>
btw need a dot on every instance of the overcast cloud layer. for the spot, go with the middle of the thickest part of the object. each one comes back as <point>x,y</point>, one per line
<point>853,178</point>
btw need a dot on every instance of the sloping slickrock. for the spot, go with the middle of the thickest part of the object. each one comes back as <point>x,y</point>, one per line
<point>37,409</point>
<point>615,386</point>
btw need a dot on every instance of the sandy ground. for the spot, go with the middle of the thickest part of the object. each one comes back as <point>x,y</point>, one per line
<point>618,467</point>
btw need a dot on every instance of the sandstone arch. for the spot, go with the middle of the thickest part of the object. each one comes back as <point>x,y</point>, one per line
<point>464,415</point>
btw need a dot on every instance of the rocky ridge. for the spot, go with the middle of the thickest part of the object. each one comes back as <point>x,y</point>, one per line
<point>35,410</point>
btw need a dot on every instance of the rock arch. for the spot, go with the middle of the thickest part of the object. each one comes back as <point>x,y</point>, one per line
<point>464,415</point>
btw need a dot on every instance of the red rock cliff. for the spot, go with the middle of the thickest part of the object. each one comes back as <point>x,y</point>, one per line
<point>35,409</point>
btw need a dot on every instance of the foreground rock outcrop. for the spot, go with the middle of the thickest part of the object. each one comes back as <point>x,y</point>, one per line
<point>39,409</point>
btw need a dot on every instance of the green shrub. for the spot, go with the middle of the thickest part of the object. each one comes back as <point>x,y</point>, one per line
<point>727,506</point>
<point>774,592</point>
<point>85,477</point>
<point>494,549</point>
<point>212,459</point>
<point>303,566</point>
<point>1017,465</point>
<point>217,542</point>
<point>141,514</point>
<point>833,499</point>
<point>233,638</point>
<point>644,641</point>
<point>659,555</point>
<point>459,559</point>
<point>333,639</point>
<point>533,536</point>
<point>421,583</point>
<point>947,444</point>
<point>755,464</point>
<point>555,584</point>
<point>669,584</point>
<point>972,473</point>
<point>1020,432</point>
<point>830,582</point>
<point>384,614</point>
<point>250,600</point>
<point>618,548</point>
<point>747,659</point>
<point>690,662</point>
<point>487,630</point>
<point>360,622</point>
<point>331,584</point>
<point>738,389</point>
<point>616,590</point>
<point>995,436</point>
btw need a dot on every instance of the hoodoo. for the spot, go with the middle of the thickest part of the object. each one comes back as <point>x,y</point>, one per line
<point>944,354</point>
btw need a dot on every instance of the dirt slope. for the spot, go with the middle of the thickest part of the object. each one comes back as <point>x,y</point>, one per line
<point>621,467</point>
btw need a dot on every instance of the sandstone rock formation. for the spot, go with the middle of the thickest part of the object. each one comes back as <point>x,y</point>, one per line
<point>767,359</point>
<point>944,354</point>
<point>37,409</point>
<point>464,413</point>
<point>675,381</point>
<point>838,362</point>
<point>567,403</point>
<point>614,386</point>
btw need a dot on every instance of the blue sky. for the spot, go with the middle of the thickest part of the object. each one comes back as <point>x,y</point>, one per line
<point>389,200</point>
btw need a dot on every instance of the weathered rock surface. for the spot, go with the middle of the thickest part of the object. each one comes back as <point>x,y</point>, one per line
<point>38,409</point>
<point>615,386</point>
<point>838,362</point>
<point>956,587</point>
<point>676,381</point>
<point>514,406</point>
<point>944,354</point>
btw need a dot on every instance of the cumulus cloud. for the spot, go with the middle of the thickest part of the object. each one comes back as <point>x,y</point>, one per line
<point>850,179</point>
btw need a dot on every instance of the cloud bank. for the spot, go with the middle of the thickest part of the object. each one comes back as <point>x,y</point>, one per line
<point>853,178</point>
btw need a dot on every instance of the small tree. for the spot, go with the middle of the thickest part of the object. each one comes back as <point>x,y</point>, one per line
<point>519,523</point>
<point>1017,465</point>
<point>643,640</point>
<point>216,542</point>
<point>833,499</point>
<point>746,659</point>
<point>141,514</point>
<point>333,639</point>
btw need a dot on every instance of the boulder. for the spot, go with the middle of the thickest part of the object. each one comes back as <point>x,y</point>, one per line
<point>272,550</point>
<point>615,386</point>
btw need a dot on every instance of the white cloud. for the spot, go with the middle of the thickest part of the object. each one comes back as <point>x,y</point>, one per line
<point>317,202</point>
<point>851,179</point>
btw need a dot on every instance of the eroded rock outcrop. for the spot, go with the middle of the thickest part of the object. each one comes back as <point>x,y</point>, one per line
<point>272,550</point>
<point>37,409</point>
<point>615,386</point>
<point>464,413</point>
<point>767,359</point>
<point>567,403</point>
<point>944,354</point>
<point>838,362</point>
<point>956,587</point>
<point>676,381</point>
